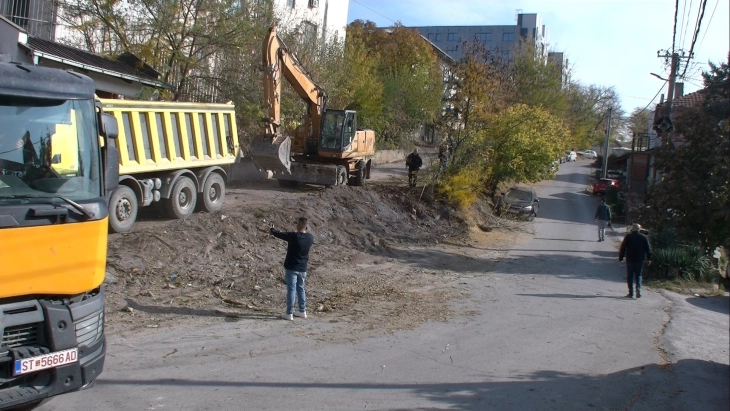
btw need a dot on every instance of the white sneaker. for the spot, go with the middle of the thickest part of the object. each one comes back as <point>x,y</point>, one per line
<point>300,314</point>
<point>286,316</point>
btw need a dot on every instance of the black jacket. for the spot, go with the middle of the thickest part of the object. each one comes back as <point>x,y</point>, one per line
<point>603,213</point>
<point>635,248</point>
<point>414,162</point>
<point>297,251</point>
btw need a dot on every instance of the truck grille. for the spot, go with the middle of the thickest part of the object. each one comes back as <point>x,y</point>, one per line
<point>90,328</point>
<point>20,335</point>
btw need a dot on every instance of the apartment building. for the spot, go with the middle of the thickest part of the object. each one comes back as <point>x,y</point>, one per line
<point>499,40</point>
<point>324,20</point>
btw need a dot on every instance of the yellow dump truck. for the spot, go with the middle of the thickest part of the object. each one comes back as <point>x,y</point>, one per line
<point>174,153</point>
<point>56,166</point>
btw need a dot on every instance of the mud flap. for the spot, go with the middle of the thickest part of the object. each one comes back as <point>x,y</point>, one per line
<point>311,173</point>
<point>272,152</point>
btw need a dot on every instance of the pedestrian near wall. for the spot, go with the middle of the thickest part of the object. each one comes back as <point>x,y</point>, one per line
<point>413,164</point>
<point>603,217</point>
<point>299,243</point>
<point>636,248</point>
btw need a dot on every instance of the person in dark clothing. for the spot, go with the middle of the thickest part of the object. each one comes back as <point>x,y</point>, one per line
<point>295,266</point>
<point>636,249</point>
<point>413,163</point>
<point>603,217</point>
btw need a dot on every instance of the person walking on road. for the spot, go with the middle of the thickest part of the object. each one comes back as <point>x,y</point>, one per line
<point>603,217</point>
<point>636,248</point>
<point>295,266</point>
<point>413,163</point>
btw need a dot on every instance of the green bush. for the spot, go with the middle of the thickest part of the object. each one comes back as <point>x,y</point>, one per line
<point>676,262</point>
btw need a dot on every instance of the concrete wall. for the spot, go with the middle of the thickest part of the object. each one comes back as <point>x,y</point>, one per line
<point>10,35</point>
<point>389,156</point>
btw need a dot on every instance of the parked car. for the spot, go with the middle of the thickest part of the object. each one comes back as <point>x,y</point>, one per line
<point>570,156</point>
<point>519,201</point>
<point>588,154</point>
<point>602,184</point>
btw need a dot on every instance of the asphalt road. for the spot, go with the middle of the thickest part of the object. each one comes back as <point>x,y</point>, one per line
<point>550,331</point>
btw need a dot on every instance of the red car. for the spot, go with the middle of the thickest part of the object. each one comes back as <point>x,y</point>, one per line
<point>602,184</point>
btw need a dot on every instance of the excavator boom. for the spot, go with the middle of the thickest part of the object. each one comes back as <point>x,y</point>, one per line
<point>272,151</point>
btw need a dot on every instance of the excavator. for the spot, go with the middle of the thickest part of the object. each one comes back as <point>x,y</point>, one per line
<point>327,149</point>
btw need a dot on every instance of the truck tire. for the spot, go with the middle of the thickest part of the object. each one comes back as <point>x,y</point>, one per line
<point>360,174</point>
<point>123,208</point>
<point>183,198</point>
<point>214,190</point>
<point>341,176</point>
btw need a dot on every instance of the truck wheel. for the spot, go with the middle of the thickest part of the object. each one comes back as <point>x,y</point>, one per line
<point>341,176</point>
<point>360,174</point>
<point>123,209</point>
<point>183,198</point>
<point>214,190</point>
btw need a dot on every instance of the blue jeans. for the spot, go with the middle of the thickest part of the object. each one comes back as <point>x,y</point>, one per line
<point>295,288</point>
<point>633,272</point>
<point>602,229</point>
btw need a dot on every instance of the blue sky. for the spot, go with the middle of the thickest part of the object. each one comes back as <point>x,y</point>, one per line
<point>608,42</point>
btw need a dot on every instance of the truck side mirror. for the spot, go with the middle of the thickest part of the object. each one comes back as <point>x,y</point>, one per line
<point>109,126</point>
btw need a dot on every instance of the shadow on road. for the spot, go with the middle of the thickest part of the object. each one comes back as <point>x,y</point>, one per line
<point>687,384</point>
<point>717,304</point>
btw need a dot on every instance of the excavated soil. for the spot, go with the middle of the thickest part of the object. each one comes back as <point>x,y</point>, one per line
<point>383,260</point>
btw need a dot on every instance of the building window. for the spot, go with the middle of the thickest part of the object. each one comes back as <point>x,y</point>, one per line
<point>438,36</point>
<point>483,36</point>
<point>290,3</point>
<point>310,32</point>
<point>453,37</point>
<point>313,4</point>
<point>430,36</point>
<point>508,36</point>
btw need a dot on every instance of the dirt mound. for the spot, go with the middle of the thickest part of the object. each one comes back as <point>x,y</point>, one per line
<point>220,265</point>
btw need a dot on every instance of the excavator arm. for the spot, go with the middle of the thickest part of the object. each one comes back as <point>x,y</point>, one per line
<point>272,151</point>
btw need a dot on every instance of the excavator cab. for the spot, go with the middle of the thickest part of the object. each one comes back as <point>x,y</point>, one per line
<point>338,130</point>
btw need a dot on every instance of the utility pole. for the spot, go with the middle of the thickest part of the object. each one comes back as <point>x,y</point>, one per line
<point>673,69</point>
<point>608,133</point>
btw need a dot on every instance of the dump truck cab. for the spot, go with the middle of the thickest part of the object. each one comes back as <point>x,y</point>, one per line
<point>54,172</point>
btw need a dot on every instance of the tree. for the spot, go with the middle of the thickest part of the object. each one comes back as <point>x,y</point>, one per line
<point>410,76</point>
<point>693,197</point>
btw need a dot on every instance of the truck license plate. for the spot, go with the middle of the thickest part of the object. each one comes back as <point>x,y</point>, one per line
<point>45,361</point>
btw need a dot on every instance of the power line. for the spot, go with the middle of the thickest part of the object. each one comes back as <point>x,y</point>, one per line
<point>652,100</point>
<point>701,13</point>
<point>681,22</point>
<point>383,16</point>
<point>674,31</point>
<point>708,23</point>
<point>686,24</point>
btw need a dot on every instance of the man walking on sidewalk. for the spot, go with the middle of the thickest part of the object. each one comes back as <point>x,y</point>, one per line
<point>636,249</point>
<point>295,266</point>
<point>603,217</point>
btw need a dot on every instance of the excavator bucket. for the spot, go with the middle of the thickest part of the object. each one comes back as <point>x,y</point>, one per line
<point>272,152</point>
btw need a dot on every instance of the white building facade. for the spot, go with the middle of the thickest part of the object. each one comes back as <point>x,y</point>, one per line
<point>324,20</point>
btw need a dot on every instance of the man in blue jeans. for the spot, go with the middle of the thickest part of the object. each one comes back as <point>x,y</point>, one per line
<point>295,266</point>
<point>636,248</point>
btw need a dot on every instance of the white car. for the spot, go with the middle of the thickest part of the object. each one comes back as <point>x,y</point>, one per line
<point>571,156</point>
<point>588,154</point>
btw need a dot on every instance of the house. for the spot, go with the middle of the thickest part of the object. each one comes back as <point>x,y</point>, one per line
<point>124,76</point>
<point>324,20</point>
<point>641,172</point>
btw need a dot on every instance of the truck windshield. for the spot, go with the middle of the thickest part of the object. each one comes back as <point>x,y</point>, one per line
<point>48,148</point>
<point>332,130</point>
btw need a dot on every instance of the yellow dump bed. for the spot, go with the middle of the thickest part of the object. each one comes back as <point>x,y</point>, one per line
<point>158,136</point>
